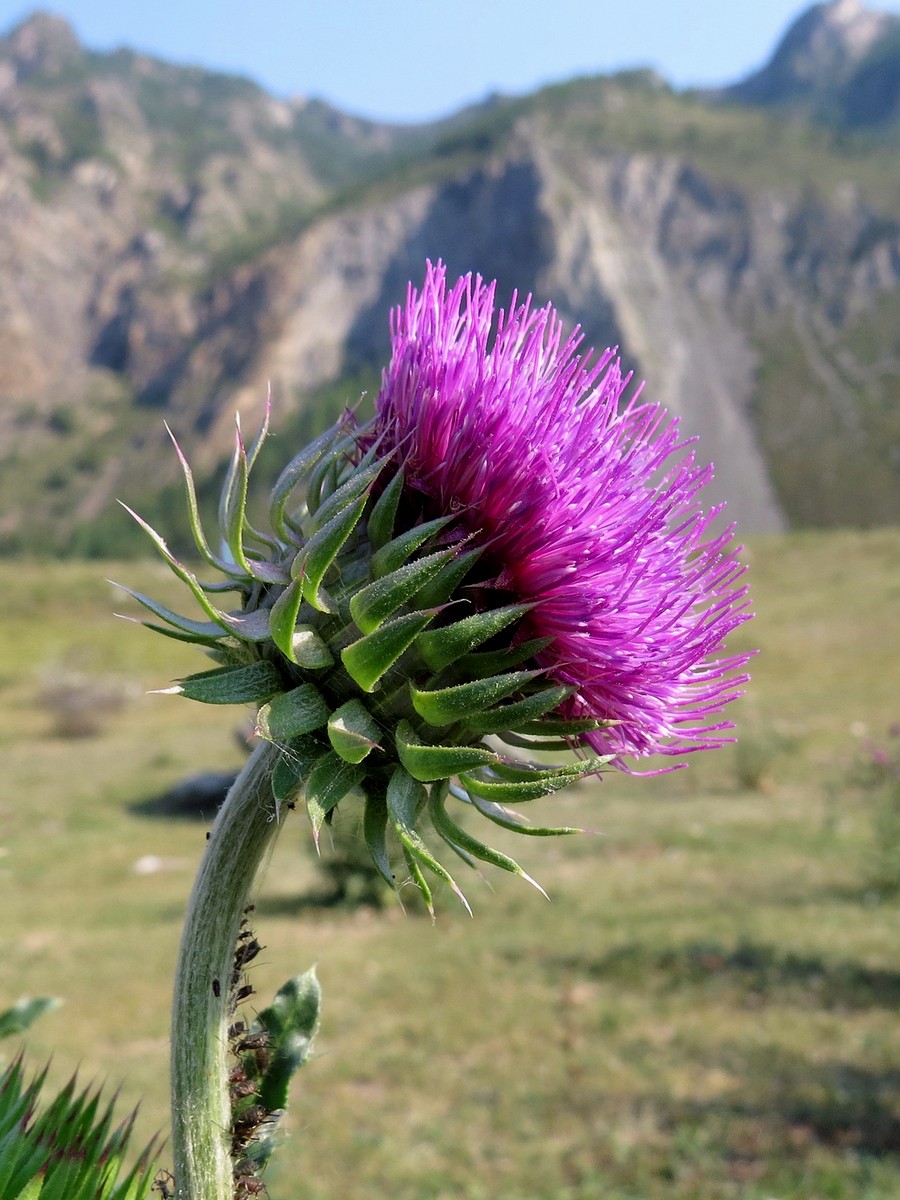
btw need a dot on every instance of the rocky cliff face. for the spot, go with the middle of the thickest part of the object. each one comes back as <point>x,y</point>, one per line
<point>172,241</point>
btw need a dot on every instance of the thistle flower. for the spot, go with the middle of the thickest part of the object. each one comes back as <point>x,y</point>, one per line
<point>509,549</point>
<point>585,511</point>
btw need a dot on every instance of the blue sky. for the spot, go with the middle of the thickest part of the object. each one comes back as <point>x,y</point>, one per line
<point>412,60</point>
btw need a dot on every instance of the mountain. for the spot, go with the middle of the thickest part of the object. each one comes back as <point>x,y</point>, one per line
<point>173,239</point>
<point>826,61</point>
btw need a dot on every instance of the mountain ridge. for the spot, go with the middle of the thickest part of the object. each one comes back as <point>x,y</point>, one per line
<point>175,239</point>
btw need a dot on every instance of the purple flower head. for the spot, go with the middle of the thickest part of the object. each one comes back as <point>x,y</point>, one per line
<point>586,501</point>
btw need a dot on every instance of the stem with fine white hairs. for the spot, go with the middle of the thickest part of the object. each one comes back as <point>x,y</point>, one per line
<point>201,1110</point>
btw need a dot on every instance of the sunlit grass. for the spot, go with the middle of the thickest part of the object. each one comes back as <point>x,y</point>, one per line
<point>705,1009</point>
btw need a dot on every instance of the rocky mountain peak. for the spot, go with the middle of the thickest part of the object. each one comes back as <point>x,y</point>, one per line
<point>820,49</point>
<point>42,44</point>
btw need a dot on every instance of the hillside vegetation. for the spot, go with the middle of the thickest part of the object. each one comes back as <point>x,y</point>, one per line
<point>705,1010</point>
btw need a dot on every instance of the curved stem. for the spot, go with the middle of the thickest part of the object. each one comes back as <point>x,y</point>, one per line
<point>201,1111</point>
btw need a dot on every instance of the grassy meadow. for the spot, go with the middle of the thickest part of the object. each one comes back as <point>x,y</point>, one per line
<point>706,1008</point>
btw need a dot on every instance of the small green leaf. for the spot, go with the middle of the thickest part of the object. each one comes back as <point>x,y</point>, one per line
<point>427,763</point>
<point>194,515</point>
<point>405,798</point>
<point>529,785</point>
<point>441,587</point>
<point>352,731</point>
<point>520,771</point>
<point>297,759</point>
<point>380,525</point>
<point>292,713</point>
<point>444,706</point>
<point>15,1020</point>
<point>418,879</point>
<point>506,818</point>
<point>492,662</point>
<point>179,570</point>
<point>564,726</point>
<point>554,745</point>
<point>399,550</point>
<point>322,549</point>
<point>348,493</point>
<point>375,822</point>
<point>195,631</point>
<point>291,1021</point>
<point>367,659</point>
<point>326,476</point>
<point>293,474</point>
<point>310,651</point>
<point>283,618</point>
<point>372,605</point>
<point>233,505</point>
<point>510,716</point>
<point>441,647</point>
<point>251,684</point>
<point>329,782</point>
<point>251,626</point>
<point>459,839</point>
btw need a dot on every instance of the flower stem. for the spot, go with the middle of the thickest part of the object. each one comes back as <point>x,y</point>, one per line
<point>201,1110</point>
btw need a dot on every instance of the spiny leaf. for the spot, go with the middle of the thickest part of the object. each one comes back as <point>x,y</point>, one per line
<point>291,714</point>
<point>251,684</point>
<point>200,631</point>
<point>297,759</point>
<point>445,706</point>
<point>322,549</point>
<point>564,726</point>
<point>427,763</point>
<point>372,605</point>
<point>555,745</point>
<point>508,819</point>
<point>375,822</point>
<point>166,631</point>
<point>380,525</point>
<point>440,588</point>
<point>533,786</point>
<point>233,505</point>
<point>179,570</point>
<point>329,782</point>
<point>405,798</point>
<point>194,515</point>
<point>352,731</point>
<point>396,552</point>
<point>262,433</point>
<point>517,770</point>
<point>367,659</point>
<point>457,837</point>
<point>441,647</point>
<point>293,474</point>
<point>325,477</point>
<point>298,641</point>
<point>283,618</point>
<point>492,662</point>
<point>418,878</point>
<point>348,493</point>
<point>510,716</point>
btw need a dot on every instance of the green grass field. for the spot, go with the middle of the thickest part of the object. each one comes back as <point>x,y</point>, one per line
<point>705,1009</point>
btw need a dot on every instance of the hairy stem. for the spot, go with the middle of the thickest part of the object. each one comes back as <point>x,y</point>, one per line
<point>201,1112</point>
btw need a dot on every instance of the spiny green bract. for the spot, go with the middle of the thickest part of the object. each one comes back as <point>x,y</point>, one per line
<point>376,650</point>
<point>70,1151</point>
